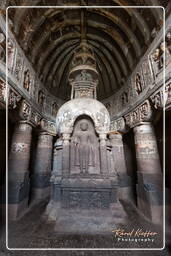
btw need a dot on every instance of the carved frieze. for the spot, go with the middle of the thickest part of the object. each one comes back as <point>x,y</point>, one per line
<point>158,99</point>
<point>2,90</point>
<point>18,66</point>
<point>167,47</point>
<point>157,57</point>
<point>25,110</point>
<point>13,98</point>
<point>86,199</point>
<point>142,113</point>
<point>118,125</point>
<point>146,72</point>
<point>11,54</point>
<point>27,80</point>
<point>41,99</point>
<point>29,114</point>
<point>157,60</point>
<point>48,126</point>
<point>124,98</point>
<point>35,118</point>
<point>138,83</point>
<point>54,109</point>
<point>2,46</point>
<point>168,94</point>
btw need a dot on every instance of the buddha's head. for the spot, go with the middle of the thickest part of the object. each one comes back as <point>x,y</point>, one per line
<point>84,126</point>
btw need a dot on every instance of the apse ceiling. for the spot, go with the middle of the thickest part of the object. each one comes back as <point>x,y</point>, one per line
<point>118,36</point>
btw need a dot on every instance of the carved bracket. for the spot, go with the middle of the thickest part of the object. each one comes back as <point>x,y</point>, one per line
<point>142,113</point>
<point>25,110</point>
<point>48,127</point>
<point>2,91</point>
<point>118,125</point>
<point>13,98</point>
<point>168,95</point>
<point>27,113</point>
<point>158,99</point>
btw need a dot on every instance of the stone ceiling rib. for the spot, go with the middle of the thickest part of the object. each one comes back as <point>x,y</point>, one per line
<point>49,37</point>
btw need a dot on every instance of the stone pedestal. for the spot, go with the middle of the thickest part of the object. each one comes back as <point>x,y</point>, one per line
<point>40,179</point>
<point>149,187</point>
<point>125,190</point>
<point>18,166</point>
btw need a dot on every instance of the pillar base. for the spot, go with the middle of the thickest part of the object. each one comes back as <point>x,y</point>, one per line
<point>150,203</point>
<point>39,194</point>
<point>125,189</point>
<point>16,211</point>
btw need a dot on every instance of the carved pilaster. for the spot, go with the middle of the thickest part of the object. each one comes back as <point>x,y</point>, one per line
<point>118,125</point>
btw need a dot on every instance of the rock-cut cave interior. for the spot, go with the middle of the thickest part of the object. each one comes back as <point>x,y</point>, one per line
<point>85,119</point>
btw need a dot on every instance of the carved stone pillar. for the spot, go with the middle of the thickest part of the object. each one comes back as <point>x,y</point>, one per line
<point>125,190</point>
<point>18,166</point>
<point>40,180</point>
<point>57,158</point>
<point>103,154</point>
<point>65,154</point>
<point>149,188</point>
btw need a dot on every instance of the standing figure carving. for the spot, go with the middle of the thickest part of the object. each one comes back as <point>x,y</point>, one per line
<point>84,150</point>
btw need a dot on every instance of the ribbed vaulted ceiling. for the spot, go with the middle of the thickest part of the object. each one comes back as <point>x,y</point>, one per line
<point>119,37</point>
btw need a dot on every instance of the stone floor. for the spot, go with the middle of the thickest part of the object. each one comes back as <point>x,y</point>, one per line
<point>33,231</point>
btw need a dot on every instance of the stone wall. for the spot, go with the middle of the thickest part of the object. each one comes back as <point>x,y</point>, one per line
<point>146,82</point>
<point>23,82</point>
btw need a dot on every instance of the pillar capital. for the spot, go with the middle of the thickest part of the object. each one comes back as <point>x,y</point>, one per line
<point>66,136</point>
<point>26,113</point>
<point>47,127</point>
<point>103,136</point>
<point>143,125</point>
<point>113,135</point>
<point>118,126</point>
<point>143,113</point>
<point>22,125</point>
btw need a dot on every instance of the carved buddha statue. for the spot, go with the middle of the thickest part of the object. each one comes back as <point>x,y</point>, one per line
<point>84,150</point>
